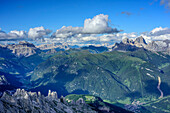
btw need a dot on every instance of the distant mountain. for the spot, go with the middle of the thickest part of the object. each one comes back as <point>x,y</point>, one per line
<point>23,101</point>
<point>122,46</point>
<point>159,46</point>
<point>132,45</point>
<point>131,75</point>
<point>94,49</point>
<point>60,46</point>
<point>22,49</point>
<point>22,58</point>
<point>111,75</point>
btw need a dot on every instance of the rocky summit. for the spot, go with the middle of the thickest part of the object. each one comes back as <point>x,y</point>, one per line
<point>160,46</point>
<point>133,76</point>
<point>31,102</point>
<point>22,49</point>
<point>131,45</point>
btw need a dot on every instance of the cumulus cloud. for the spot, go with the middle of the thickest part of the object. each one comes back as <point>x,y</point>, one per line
<point>67,32</point>
<point>38,32</point>
<point>160,31</point>
<point>92,39</point>
<point>34,33</point>
<point>13,35</point>
<point>98,25</point>
<point>22,34</point>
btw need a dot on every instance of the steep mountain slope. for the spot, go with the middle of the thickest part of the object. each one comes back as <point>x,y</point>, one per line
<point>111,75</point>
<point>17,68</point>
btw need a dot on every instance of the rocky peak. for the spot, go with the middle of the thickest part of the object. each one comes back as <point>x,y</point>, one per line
<point>63,46</point>
<point>161,46</point>
<point>23,49</point>
<point>140,40</point>
<point>52,95</point>
<point>26,43</point>
<point>127,41</point>
<point>21,94</point>
<point>23,102</point>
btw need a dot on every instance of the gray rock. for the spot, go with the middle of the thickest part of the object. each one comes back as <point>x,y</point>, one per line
<point>159,46</point>
<point>22,102</point>
<point>23,49</point>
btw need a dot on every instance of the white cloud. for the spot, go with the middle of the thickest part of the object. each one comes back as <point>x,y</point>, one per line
<point>34,33</point>
<point>160,31</point>
<point>22,34</point>
<point>3,35</point>
<point>13,35</point>
<point>98,25</point>
<point>38,32</point>
<point>67,32</point>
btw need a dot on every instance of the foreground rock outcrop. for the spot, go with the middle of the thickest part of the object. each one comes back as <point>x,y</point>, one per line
<point>23,102</point>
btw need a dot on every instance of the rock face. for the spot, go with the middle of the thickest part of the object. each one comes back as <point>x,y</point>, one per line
<point>130,45</point>
<point>23,49</point>
<point>23,102</point>
<point>124,46</point>
<point>159,46</point>
<point>138,42</point>
<point>127,41</point>
<point>63,46</point>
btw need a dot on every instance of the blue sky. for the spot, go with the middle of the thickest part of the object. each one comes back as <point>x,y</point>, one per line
<point>53,14</point>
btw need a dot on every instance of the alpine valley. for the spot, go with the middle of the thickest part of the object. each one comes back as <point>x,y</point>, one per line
<point>130,76</point>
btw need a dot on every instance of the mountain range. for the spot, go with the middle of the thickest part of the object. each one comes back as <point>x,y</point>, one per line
<point>132,74</point>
